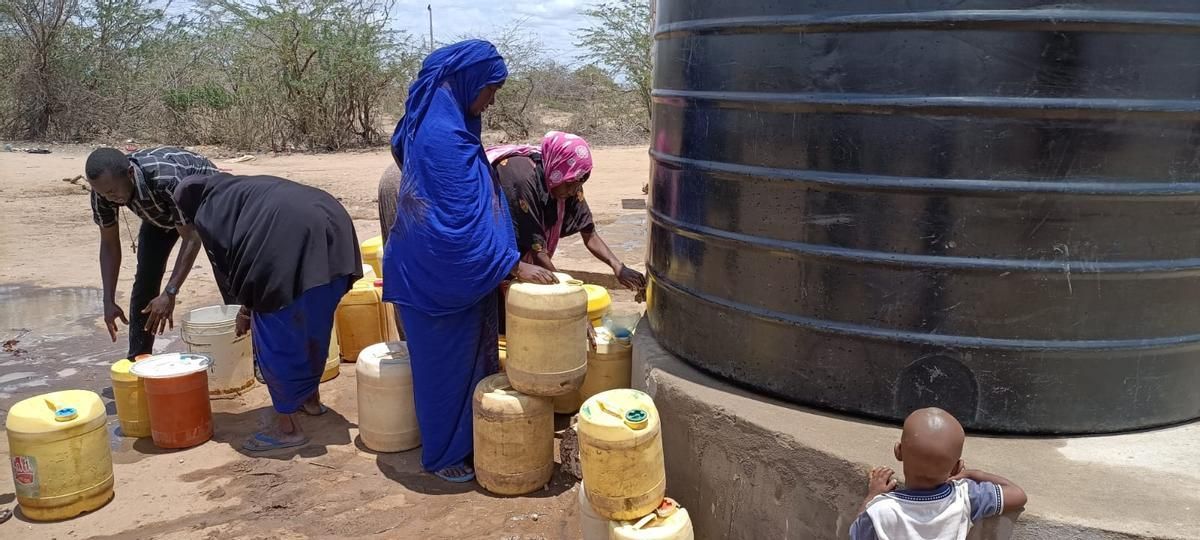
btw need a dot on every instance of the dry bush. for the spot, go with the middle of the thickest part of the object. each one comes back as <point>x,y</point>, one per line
<point>279,74</point>
<point>542,94</point>
<point>274,74</point>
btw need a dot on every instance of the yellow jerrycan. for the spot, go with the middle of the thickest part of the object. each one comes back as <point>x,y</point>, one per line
<point>129,392</point>
<point>372,254</point>
<point>621,454</point>
<point>333,361</point>
<point>360,319</point>
<point>599,302</point>
<point>61,461</point>
<point>514,438</point>
<point>546,337</point>
<point>609,366</point>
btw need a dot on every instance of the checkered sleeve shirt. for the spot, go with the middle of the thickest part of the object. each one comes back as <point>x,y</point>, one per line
<point>156,173</point>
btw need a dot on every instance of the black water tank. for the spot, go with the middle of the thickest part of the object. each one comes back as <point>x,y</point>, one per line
<point>989,206</point>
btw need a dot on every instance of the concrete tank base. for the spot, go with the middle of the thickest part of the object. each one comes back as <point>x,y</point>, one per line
<point>749,467</point>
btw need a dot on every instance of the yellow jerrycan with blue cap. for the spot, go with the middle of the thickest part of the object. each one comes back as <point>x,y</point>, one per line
<point>621,454</point>
<point>58,448</point>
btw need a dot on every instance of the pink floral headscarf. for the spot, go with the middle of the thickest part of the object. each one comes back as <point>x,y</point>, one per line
<point>566,158</point>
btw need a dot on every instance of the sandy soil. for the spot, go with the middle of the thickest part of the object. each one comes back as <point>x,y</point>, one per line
<point>334,487</point>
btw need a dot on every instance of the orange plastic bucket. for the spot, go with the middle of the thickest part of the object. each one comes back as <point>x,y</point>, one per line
<point>177,392</point>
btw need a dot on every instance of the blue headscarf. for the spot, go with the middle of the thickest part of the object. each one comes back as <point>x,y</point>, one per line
<point>466,67</point>
<point>452,242</point>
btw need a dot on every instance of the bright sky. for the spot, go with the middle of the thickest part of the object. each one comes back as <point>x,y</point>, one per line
<point>553,22</point>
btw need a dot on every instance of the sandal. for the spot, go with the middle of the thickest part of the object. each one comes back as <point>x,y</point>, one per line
<point>458,474</point>
<point>261,442</point>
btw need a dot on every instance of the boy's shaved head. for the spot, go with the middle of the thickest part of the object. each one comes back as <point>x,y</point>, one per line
<point>931,448</point>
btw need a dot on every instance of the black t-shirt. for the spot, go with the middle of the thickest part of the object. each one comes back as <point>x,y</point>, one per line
<point>533,209</point>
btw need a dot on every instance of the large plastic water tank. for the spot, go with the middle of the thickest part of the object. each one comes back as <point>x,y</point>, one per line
<point>988,206</point>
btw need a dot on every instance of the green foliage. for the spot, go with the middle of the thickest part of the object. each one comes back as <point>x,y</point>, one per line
<point>542,94</point>
<point>619,39</point>
<point>207,95</point>
<point>319,67</point>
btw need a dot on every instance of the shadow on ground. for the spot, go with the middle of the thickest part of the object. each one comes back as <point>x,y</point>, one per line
<point>405,469</point>
<point>328,430</point>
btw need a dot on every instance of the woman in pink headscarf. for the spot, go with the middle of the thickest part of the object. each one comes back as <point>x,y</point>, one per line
<point>544,187</point>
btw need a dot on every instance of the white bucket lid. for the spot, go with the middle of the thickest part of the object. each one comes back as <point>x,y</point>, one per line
<point>165,366</point>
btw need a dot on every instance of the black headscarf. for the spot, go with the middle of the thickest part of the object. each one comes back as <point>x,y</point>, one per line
<point>271,238</point>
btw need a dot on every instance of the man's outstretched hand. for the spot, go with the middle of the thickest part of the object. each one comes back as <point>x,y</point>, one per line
<point>162,314</point>
<point>112,312</point>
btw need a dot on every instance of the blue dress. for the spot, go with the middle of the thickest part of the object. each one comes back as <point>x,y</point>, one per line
<point>451,245</point>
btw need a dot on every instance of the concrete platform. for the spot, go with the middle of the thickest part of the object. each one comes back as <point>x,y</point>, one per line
<point>749,467</point>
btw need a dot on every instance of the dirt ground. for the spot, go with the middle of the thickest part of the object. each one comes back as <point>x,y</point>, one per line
<point>50,301</point>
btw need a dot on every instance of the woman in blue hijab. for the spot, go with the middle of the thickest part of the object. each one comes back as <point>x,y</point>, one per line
<point>450,247</point>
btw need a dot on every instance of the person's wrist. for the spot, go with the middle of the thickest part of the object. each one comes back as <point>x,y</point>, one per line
<point>171,291</point>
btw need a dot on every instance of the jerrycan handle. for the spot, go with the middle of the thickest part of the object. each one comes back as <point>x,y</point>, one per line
<point>635,419</point>
<point>664,511</point>
<point>645,519</point>
<point>62,414</point>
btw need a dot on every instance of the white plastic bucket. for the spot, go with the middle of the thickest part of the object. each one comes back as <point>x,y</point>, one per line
<point>211,331</point>
<point>591,525</point>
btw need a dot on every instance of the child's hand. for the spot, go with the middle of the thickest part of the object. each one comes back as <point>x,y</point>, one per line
<point>879,481</point>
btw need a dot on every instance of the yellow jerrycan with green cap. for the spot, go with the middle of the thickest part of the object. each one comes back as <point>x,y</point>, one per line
<point>621,454</point>
<point>58,448</point>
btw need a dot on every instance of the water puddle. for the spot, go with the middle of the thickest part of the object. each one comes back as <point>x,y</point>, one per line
<point>62,345</point>
<point>48,314</point>
<point>53,341</point>
<point>627,236</point>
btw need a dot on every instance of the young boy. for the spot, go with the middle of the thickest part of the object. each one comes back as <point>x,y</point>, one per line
<point>941,498</point>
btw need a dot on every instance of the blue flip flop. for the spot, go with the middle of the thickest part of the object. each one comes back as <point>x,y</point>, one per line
<point>323,409</point>
<point>261,442</point>
<point>455,479</point>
